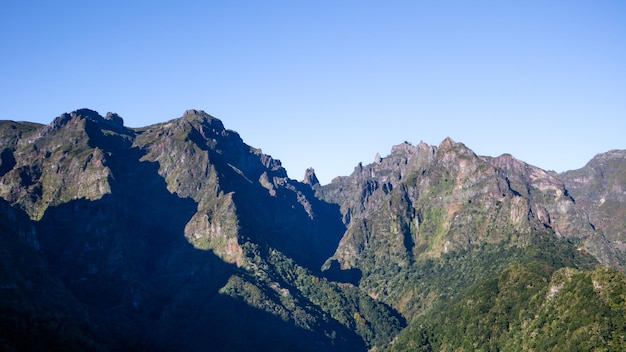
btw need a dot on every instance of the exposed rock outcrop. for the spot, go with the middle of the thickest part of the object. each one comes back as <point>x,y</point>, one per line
<point>425,201</point>
<point>310,178</point>
<point>600,189</point>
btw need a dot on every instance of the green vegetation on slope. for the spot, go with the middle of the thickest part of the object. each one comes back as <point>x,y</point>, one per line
<point>525,307</point>
<point>275,283</point>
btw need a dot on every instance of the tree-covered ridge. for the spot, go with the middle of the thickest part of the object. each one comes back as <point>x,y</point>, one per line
<point>528,308</point>
<point>290,287</point>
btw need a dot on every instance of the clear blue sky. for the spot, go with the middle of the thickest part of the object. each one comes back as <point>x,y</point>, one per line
<point>329,84</point>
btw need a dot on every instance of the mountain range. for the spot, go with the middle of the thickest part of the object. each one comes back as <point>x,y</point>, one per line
<point>180,236</point>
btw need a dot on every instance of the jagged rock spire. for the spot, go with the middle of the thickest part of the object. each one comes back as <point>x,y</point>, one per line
<point>310,178</point>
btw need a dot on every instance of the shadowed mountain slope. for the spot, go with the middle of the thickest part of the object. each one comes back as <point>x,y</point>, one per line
<point>166,231</point>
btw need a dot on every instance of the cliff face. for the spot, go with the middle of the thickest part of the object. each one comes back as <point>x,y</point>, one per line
<point>600,189</point>
<point>119,238</point>
<point>432,200</point>
<point>430,203</point>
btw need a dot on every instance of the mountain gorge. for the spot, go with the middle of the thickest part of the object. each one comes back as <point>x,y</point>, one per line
<point>179,236</point>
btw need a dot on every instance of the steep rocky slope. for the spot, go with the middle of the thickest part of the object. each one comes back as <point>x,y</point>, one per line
<point>457,198</point>
<point>424,201</point>
<point>600,188</point>
<point>179,236</point>
<point>425,223</point>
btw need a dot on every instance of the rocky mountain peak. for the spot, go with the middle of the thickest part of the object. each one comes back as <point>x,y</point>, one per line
<point>447,143</point>
<point>86,113</point>
<point>602,159</point>
<point>310,178</point>
<point>198,115</point>
<point>208,127</point>
<point>405,148</point>
<point>509,162</point>
<point>63,119</point>
<point>114,119</point>
<point>111,119</point>
<point>525,172</point>
<point>194,112</point>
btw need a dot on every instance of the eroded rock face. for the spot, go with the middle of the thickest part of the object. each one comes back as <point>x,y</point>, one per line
<point>600,188</point>
<point>310,178</point>
<point>550,200</point>
<point>57,163</point>
<point>424,201</point>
